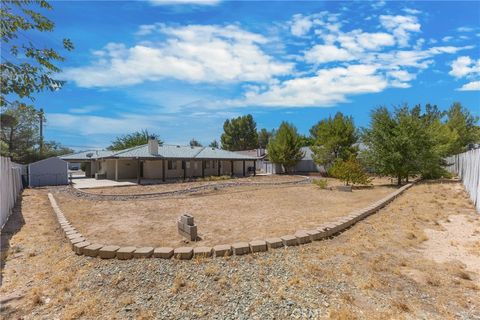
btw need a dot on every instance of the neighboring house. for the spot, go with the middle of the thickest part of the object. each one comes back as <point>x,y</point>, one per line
<point>307,164</point>
<point>48,172</point>
<point>151,161</point>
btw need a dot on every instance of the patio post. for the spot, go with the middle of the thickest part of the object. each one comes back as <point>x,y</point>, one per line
<point>184,165</point>
<point>244,168</point>
<point>138,171</point>
<point>255,168</point>
<point>231,168</point>
<point>219,165</point>
<point>116,169</point>
<point>203,168</point>
<point>163,170</point>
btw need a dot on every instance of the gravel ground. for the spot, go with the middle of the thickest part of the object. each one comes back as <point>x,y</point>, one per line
<point>375,270</point>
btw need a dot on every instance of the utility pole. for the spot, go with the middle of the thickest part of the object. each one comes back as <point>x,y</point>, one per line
<point>41,131</point>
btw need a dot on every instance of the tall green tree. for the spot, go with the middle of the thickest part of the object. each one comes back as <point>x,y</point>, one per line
<point>214,144</point>
<point>263,137</point>
<point>334,138</point>
<point>239,134</point>
<point>463,123</point>
<point>134,139</point>
<point>401,143</point>
<point>20,132</point>
<point>285,147</point>
<point>27,68</point>
<point>195,143</point>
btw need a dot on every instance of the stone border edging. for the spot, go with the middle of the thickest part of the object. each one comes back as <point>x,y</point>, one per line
<point>81,246</point>
<point>221,185</point>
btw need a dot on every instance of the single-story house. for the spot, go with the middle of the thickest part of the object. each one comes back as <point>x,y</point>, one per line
<point>154,161</point>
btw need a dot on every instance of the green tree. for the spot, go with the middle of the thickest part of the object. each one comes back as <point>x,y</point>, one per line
<point>20,132</point>
<point>27,68</point>
<point>134,139</point>
<point>263,137</point>
<point>285,146</point>
<point>195,143</point>
<point>305,141</point>
<point>463,123</point>
<point>399,144</point>
<point>349,171</point>
<point>334,138</point>
<point>239,134</point>
<point>214,144</point>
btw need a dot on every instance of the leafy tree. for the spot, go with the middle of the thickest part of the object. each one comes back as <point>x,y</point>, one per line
<point>55,149</point>
<point>463,123</point>
<point>285,146</point>
<point>134,139</point>
<point>349,171</point>
<point>27,68</point>
<point>195,143</point>
<point>214,144</point>
<point>239,134</point>
<point>399,144</point>
<point>334,138</point>
<point>305,141</point>
<point>20,132</point>
<point>263,137</point>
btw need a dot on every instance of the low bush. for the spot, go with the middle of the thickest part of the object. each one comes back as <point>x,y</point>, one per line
<point>322,183</point>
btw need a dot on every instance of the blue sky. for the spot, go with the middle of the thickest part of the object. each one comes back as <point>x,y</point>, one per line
<point>180,69</point>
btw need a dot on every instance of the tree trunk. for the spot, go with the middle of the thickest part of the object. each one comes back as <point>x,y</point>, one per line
<point>399,180</point>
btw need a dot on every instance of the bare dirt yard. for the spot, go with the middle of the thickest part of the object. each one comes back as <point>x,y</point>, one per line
<point>240,213</point>
<point>381,268</point>
<point>146,188</point>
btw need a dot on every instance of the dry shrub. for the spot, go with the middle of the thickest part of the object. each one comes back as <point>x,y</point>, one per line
<point>343,314</point>
<point>401,305</point>
<point>36,295</point>
<point>178,282</point>
<point>433,280</point>
<point>211,270</point>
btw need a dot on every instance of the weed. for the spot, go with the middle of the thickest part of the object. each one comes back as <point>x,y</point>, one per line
<point>322,183</point>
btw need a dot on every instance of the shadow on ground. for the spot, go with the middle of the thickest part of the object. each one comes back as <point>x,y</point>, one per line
<point>14,224</point>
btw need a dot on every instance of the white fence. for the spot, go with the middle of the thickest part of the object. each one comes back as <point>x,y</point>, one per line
<point>467,166</point>
<point>10,187</point>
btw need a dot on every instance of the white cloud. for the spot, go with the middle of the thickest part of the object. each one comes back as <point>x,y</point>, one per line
<point>401,26</point>
<point>471,86</point>
<point>327,87</point>
<point>194,53</point>
<point>411,11</point>
<point>465,29</point>
<point>464,66</point>
<point>301,25</point>
<point>468,68</point>
<point>447,38</point>
<point>327,53</point>
<point>180,2</point>
<point>84,109</point>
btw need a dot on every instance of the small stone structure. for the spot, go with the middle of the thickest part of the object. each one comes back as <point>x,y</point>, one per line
<point>186,227</point>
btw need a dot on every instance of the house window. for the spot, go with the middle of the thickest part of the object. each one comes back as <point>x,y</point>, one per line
<point>172,165</point>
<point>207,164</point>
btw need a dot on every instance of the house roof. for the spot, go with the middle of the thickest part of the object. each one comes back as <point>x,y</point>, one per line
<point>87,155</point>
<point>164,151</point>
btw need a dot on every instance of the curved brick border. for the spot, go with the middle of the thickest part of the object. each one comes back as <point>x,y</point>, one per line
<point>220,185</point>
<point>81,246</point>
